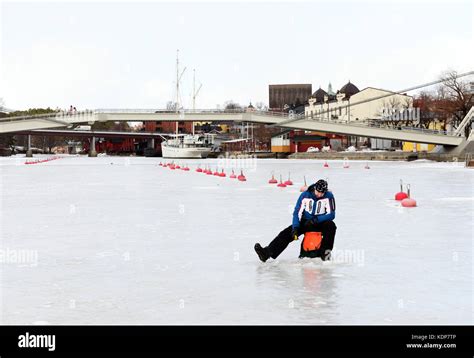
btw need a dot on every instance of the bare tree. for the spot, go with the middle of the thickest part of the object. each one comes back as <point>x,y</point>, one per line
<point>231,105</point>
<point>171,106</point>
<point>260,106</point>
<point>391,107</point>
<point>454,98</point>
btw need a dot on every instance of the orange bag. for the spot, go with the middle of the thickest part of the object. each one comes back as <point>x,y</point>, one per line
<point>312,241</point>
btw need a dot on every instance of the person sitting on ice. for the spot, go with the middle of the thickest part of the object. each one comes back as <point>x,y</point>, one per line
<point>314,211</point>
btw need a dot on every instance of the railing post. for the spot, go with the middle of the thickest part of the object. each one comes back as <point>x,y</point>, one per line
<point>92,151</point>
<point>29,152</point>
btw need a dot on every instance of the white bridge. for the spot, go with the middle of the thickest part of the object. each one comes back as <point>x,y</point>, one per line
<point>361,129</point>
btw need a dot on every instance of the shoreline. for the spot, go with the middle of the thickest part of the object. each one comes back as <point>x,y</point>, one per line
<point>367,156</point>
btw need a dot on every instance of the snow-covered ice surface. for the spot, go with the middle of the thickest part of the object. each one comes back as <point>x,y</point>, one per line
<point>124,241</point>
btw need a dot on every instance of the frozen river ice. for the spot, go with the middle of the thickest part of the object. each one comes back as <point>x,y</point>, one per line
<point>113,240</point>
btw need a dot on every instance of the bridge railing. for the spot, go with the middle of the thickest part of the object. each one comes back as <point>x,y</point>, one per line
<point>56,115</point>
<point>371,124</point>
<point>159,111</point>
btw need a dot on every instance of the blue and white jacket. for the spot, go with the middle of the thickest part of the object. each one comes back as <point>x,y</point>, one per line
<point>309,206</point>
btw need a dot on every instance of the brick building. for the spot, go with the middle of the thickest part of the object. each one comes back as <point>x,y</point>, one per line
<point>169,127</point>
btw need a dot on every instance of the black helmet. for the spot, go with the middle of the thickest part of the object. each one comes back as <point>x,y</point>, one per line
<point>321,186</point>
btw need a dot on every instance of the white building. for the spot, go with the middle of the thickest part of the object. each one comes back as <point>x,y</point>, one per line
<point>349,104</point>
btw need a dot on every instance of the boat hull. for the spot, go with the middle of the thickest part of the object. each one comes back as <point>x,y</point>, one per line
<point>183,152</point>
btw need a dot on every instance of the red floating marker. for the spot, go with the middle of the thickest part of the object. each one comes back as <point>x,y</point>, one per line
<point>216,173</point>
<point>272,180</point>
<point>241,177</point>
<point>281,184</point>
<point>401,195</point>
<point>233,176</point>
<point>199,170</point>
<point>408,202</point>
<point>326,165</point>
<point>222,174</point>
<point>288,182</point>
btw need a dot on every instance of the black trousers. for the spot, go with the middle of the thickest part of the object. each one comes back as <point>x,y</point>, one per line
<point>327,230</point>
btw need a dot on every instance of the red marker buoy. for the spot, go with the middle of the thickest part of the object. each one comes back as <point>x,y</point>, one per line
<point>288,182</point>
<point>272,180</point>
<point>401,195</point>
<point>208,172</point>
<point>305,186</point>
<point>233,176</point>
<point>241,177</point>
<point>281,184</point>
<point>216,173</point>
<point>199,170</point>
<point>326,165</point>
<point>408,202</point>
<point>222,174</point>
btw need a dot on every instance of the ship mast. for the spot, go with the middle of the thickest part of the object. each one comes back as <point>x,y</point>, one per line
<point>195,93</point>
<point>178,78</point>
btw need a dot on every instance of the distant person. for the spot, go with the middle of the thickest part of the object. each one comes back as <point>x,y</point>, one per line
<point>314,211</point>
<point>74,110</point>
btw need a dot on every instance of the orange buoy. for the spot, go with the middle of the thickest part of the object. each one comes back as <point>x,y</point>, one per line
<point>233,176</point>
<point>272,180</point>
<point>289,182</point>
<point>305,186</point>
<point>401,195</point>
<point>326,165</point>
<point>408,202</point>
<point>241,177</point>
<point>312,241</point>
<point>281,184</point>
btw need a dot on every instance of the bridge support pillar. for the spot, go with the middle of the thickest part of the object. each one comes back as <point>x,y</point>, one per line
<point>29,152</point>
<point>92,152</point>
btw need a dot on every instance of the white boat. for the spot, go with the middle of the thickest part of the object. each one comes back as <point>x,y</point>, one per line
<point>187,146</point>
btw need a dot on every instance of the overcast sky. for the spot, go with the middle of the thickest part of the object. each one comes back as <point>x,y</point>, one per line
<point>123,54</point>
